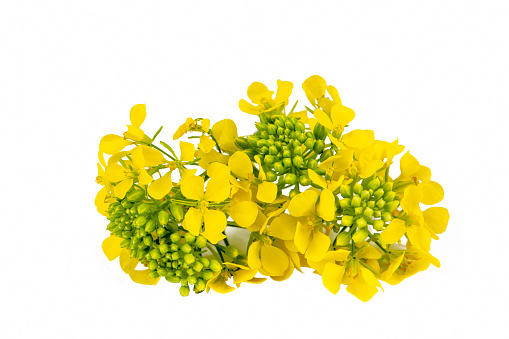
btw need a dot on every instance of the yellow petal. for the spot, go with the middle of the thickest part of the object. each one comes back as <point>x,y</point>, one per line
<point>213,237</point>
<point>267,192</point>
<point>111,144</point>
<point>100,201</point>
<point>205,125</point>
<point>121,188</point>
<point>160,187</point>
<point>370,278</point>
<point>138,114</point>
<point>192,187</point>
<point>116,157</point>
<point>253,255</point>
<point>333,92</point>
<point>317,179</point>
<point>111,247</point>
<point>412,196</point>
<point>436,218</point>
<point>337,255</point>
<point>419,237</point>
<point>423,174</point>
<point>248,108</point>
<point>215,222</point>
<point>326,208</point>
<point>303,204</point>
<point>186,151</point>
<point>243,213</point>
<point>257,92</point>
<point>362,290</point>
<point>283,227</point>
<point>314,87</point>
<point>432,193</point>
<point>183,129</point>
<point>332,276</point>
<point>302,234</point>
<point>284,90</point>
<point>318,247</point>
<point>220,286</point>
<point>323,118</point>
<point>240,164</point>
<point>144,178</point>
<point>218,170</point>
<point>224,132</point>
<point>274,260</point>
<point>359,139</point>
<point>127,263</point>
<point>152,156</point>
<point>114,173</point>
<point>394,231</point>
<point>138,157</point>
<point>193,220</point>
<point>341,115</point>
<point>207,158</point>
<point>218,190</point>
<point>206,144</point>
<point>134,133</point>
<point>408,165</point>
<point>142,277</point>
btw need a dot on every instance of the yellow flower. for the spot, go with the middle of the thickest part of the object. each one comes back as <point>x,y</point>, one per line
<point>192,125</point>
<point>408,263</point>
<point>327,205</point>
<point>239,273</point>
<point>218,190</point>
<point>339,117</point>
<point>225,132</point>
<point>137,116</point>
<point>260,95</point>
<point>315,87</point>
<point>268,259</point>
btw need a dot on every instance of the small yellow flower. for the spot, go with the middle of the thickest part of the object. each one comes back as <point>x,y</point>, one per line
<point>315,87</point>
<point>262,99</point>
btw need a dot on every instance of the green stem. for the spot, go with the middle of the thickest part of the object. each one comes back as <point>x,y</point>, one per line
<point>215,254</point>
<point>157,133</point>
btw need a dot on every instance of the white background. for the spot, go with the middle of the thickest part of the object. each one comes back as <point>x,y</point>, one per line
<point>432,73</point>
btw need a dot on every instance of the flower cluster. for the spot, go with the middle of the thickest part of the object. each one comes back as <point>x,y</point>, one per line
<point>309,193</point>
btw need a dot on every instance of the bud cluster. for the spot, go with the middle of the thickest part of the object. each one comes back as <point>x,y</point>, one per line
<point>155,239</point>
<point>368,202</point>
<point>284,147</point>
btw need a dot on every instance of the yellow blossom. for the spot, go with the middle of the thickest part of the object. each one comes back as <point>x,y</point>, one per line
<point>262,99</point>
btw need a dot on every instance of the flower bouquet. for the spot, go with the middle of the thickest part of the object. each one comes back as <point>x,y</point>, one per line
<point>308,192</point>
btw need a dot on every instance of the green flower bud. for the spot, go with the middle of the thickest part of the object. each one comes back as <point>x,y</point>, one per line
<point>345,203</point>
<point>278,167</point>
<point>241,143</point>
<point>150,226</point>
<point>205,262</point>
<point>360,235</point>
<point>389,196</point>
<point>300,127</point>
<point>152,265</point>
<point>343,239</point>
<point>290,179</point>
<point>252,140</point>
<point>380,203</point>
<point>325,155</point>
<point>273,150</point>
<point>126,204</point>
<point>153,275</point>
<point>199,286</point>
<point>377,214</point>
<point>378,225</point>
<point>310,143</point>
<point>368,212</point>
<point>189,238</point>
<point>161,232</point>
<point>173,279</point>
<point>387,187</point>
<point>163,217</point>
<point>378,193</point>
<point>357,189</point>
<point>175,237</point>
<point>302,138</point>
<point>172,227</point>
<point>141,254</point>
<point>184,290</point>
<point>155,254</point>
<point>232,251</point>
<point>162,271</point>
<point>345,191</point>
<point>198,266</point>
<point>192,279</point>
<point>271,129</point>
<point>356,201</point>
<point>201,241</point>
<point>386,216</point>
<point>298,161</point>
<point>319,132</point>
<point>289,125</point>
<point>347,220</point>
<point>287,132</point>
<point>319,146</point>
<point>371,204</point>
<point>304,180</point>
<point>280,131</point>
<point>215,266</point>
<point>374,184</point>
<point>134,211</point>
<point>125,243</point>
<point>361,222</point>
<point>287,162</point>
<point>264,150</point>
<point>391,206</point>
<point>174,248</point>
<point>111,226</point>
<point>262,143</point>
<point>136,195</point>
<point>175,256</point>
<point>365,195</point>
<point>312,164</point>
<point>260,127</point>
<point>207,274</point>
<point>163,248</point>
<point>271,176</point>
<point>143,208</point>
<point>287,154</point>
<point>147,240</point>
<point>140,221</point>
<point>189,258</point>
<point>358,210</point>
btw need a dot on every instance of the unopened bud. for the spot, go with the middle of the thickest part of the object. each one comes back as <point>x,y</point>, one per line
<point>356,201</point>
<point>386,216</point>
<point>361,222</point>
<point>136,195</point>
<point>347,220</point>
<point>388,186</point>
<point>360,235</point>
<point>345,203</point>
<point>343,239</point>
<point>345,191</point>
<point>357,189</point>
<point>374,184</point>
<point>232,251</point>
<point>143,208</point>
<point>365,195</point>
<point>215,266</point>
<point>184,290</point>
<point>391,206</point>
<point>368,212</point>
<point>378,225</point>
<point>389,196</point>
<point>380,203</point>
